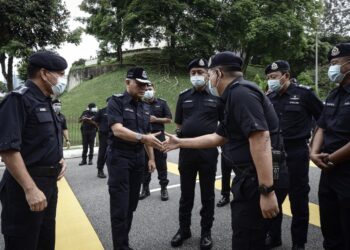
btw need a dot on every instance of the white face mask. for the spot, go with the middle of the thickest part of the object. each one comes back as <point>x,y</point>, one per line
<point>94,109</point>
<point>274,85</point>
<point>57,108</point>
<point>197,81</point>
<point>59,88</point>
<point>334,73</point>
<point>149,94</point>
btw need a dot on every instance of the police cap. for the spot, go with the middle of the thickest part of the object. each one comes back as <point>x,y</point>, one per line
<point>91,105</point>
<point>279,65</point>
<point>198,63</point>
<point>48,60</point>
<point>226,58</point>
<point>138,74</point>
<point>339,50</point>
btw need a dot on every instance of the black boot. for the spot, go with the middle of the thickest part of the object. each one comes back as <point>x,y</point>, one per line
<point>83,162</point>
<point>298,246</point>
<point>272,242</point>
<point>225,199</point>
<point>206,242</point>
<point>164,196</point>
<point>145,192</point>
<point>180,237</point>
<point>90,162</point>
<point>101,174</point>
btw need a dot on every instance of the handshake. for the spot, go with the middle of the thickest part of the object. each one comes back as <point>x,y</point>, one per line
<point>172,142</point>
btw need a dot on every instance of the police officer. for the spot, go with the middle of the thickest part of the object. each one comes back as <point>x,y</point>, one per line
<point>226,170</point>
<point>296,107</point>
<point>160,115</point>
<point>88,130</point>
<point>197,113</point>
<point>102,122</point>
<point>249,116</point>
<point>129,120</point>
<point>31,148</point>
<point>57,106</point>
<point>331,153</point>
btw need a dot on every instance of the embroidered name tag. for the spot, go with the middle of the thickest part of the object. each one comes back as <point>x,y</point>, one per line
<point>330,104</point>
<point>188,101</point>
<point>128,109</point>
<point>42,109</point>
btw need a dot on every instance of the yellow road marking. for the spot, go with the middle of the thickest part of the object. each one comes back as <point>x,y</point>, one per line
<point>313,208</point>
<point>73,229</point>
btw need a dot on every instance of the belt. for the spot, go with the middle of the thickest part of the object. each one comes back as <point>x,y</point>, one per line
<point>45,171</point>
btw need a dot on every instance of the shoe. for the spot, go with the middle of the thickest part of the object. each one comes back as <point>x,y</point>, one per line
<point>298,247</point>
<point>101,174</point>
<point>164,196</point>
<point>206,242</point>
<point>223,201</point>
<point>180,237</point>
<point>145,192</point>
<point>82,163</point>
<point>271,242</point>
<point>90,162</point>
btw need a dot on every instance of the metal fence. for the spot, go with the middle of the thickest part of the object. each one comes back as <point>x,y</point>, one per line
<point>74,131</point>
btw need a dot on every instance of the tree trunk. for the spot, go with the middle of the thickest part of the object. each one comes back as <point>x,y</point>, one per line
<point>120,54</point>
<point>246,60</point>
<point>8,74</point>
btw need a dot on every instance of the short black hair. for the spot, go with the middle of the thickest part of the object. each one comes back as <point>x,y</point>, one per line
<point>32,70</point>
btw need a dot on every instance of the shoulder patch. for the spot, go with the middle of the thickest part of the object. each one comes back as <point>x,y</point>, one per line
<point>20,90</point>
<point>184,91</point>
<point>118,95</point>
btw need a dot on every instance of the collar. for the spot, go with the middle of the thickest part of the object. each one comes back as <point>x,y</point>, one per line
<point>290,89</point>
<point>346,88</point>
<point>128,98</point>
<point>206,89</point>
<point>37,92</point>
<point>225,95</point>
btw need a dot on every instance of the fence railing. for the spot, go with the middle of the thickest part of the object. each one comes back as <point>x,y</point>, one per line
<point>74,131</point>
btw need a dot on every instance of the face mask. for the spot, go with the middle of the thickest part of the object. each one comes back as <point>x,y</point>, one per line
<point>274,85</point>
<point>94,110</point>
<point>213,90</point>
<point>59,88</point>
<point>149,94</point>
<point>57,108</point>
<point>334,73</point>
<point>198,81</point>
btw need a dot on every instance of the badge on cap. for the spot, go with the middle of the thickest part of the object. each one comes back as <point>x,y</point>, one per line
<point>274,66</point>
<point>201,63</point>
<point>335,51</point>
<point>144,74</point>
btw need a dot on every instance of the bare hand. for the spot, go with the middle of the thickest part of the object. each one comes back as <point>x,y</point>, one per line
<point>68,144</point>
<point>36,199</point>
<point>318,159</point>
<point>151,166</point>
<point>152,140</point>
<point>173,142</point>
<point>152,119</point>
<point>63,170</point>
<point>269,205</point>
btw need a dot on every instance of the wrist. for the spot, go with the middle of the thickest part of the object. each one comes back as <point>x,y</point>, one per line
<point>140,137</point>
<point>266,190</point>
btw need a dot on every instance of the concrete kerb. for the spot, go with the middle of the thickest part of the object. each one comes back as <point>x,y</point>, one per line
<point>73,152</point>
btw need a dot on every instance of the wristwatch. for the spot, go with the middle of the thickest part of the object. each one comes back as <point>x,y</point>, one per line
<point>265,190</point>
<point>139,137</point>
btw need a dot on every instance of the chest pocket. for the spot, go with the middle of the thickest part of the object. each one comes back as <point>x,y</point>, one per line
<point>187,105</point>
<point>211,104</point>
<point>44,116</point>
<point>128,115</point>
<point>329,110</point>
<point>292,108</point>
<point>344,117</point>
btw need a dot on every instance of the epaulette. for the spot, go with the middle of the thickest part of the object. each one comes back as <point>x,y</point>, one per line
<point>20,90</point>
<point>118,95</point>
<point>184,91</point>
<point>304,87</point>
<point>161,99</point>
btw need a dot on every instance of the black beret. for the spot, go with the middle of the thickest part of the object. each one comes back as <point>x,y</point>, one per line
<point>56,101</point>
<point>226,58</point>
<point>91,105</point>
<point>339,50</point>
<point>278,65</point>
<point>198,63</point>
<point>48,60</point>
<point>139,74</point>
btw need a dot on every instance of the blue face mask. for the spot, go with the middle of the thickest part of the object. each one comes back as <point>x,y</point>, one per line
<point>198,81</point>
<point>334,73</point>
<point>274,85</point>
<point>213,90</point>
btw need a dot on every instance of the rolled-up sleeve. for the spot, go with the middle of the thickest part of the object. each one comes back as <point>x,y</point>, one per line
<point>115,111</point>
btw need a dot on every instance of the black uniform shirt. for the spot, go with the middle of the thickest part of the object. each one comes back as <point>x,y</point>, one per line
<point>198,113</point>
<point>62,120</point>
<point>335,119</point>
<point>102,120</point>
<point>296,109</point>
<point>160,109</point>
<point>85,125</point>
<point>247,110</point>
<point>134,115</point>
<point>29,125</point>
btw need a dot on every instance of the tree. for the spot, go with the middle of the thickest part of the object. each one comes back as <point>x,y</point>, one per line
<point>336,18</point>
<point>106,23</point>
<point>27,25</point>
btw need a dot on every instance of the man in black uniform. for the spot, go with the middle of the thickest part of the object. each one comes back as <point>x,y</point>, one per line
<point>249,116</point>
<point>128,118</point>
<point>88,132</point>
<point>296,107</point>
<point>57,106</point>
<point>160,115</point>
<point>331,153</point>
<point>101,120</point>
<point>197,113</point>
<point>31,148</point>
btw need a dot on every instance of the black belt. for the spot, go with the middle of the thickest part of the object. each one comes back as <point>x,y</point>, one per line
<point>45,171</point>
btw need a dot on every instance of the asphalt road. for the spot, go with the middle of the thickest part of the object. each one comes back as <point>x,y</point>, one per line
<point>156,221</point>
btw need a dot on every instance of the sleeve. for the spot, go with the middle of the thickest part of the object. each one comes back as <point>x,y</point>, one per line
<point>221,129</point>
<point>248,111</point>
<point>221,109</point>
<point>321,122</point>
<point>167,112</point>
<point>315,105</point>
<point>178,112</point>
<point>12,110</point>
<point>114,111</point>
<point>64,123</point>
<point>97,117</point>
